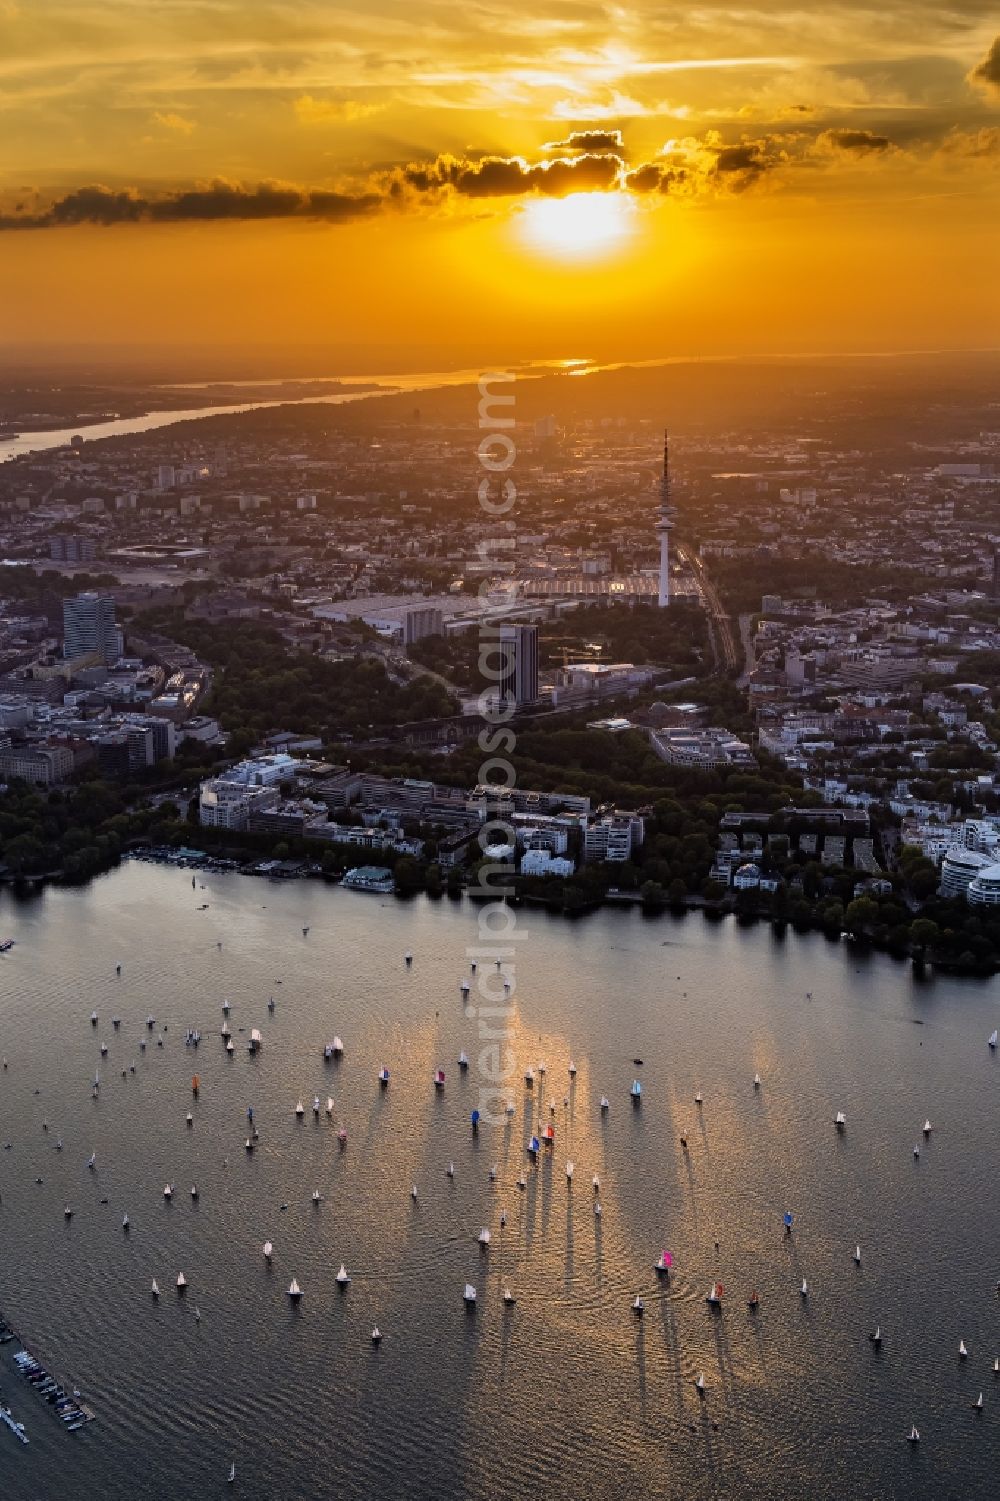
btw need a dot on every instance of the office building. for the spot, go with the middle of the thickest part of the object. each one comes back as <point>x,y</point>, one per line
<point>421,622</point>
<point>42,764</point>
<point>64,548</point>
<point>89,627</point>
<point>518,651</point>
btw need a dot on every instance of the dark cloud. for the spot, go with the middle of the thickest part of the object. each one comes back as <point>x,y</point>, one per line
<point>855,142</point>
<point>988,71</point>
<point>512,176</point>
<point>218,201</point>
<point>588,140</point>
<point>741,166</point>
<point>657,177</point>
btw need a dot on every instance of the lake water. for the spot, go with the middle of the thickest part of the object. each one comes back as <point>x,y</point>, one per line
<point>568,1394</point>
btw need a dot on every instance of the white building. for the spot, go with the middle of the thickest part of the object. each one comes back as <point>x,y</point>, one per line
<point>614,837</point>
<point>960,867</point>
<point>984,890</point>
<point>540,862</point>
<point>226,802</point>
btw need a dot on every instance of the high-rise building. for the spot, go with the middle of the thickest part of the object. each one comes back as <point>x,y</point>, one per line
<point>664,527</point>
<point>996,573</point>
<point>420,622</point>
<point>89,626</point>
<point>519,646</point>
<point>64,548</point>
<point>165,477</point>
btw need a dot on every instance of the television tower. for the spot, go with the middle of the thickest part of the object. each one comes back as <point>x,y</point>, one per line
<point>664,527</point>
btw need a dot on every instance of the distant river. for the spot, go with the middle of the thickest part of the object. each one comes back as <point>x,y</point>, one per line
<point>568,1394</point>
<point>370,386</point>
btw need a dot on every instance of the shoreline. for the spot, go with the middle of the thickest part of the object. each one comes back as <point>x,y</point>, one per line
<point>195,860</point>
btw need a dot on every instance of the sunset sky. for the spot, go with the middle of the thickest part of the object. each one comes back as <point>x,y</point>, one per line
<point>398,182</point>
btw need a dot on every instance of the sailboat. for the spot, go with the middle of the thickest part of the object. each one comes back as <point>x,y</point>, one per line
<point>992,1040</point>
<point>662,1264</point>
<point>697,1098</point>
<point>329,1105</point>
<point>376,1335</point>
<point>316,1104</point>
<point>125,1224</point>
<point>962,1351</point>
<point>605,1104</point>
<point>857,1255</point>
<point>529,1077</point>
<point>294,1291</point>
<point>595,1184</point>
<point>756,1081</point>
<point>638,1308</point>
<point>572,1069</point>
<point>996,1366</point>
<point>439,1078</point>
<point>484,1238</point>
<point>268,1250</point>
<point>804,1289</point>
<point>714,1295</point>
<point>93,1161</point>
<point>168,1192</point>
<point>343,1277</point>
<point>300,1110</point>
<point>978,1403</point>
<point>408,957</point>
<point>155,1289</point>
<point>181,1282</point>
<point>636,1091</point>
<point>450,1170</point>
<point>508,1297</point>
<point>913,1437</point>
<point>534,1146</point>
<point>383,1077</point>
<point>916,1150</point>
<point>469,1295</point>
<point>876,1336</point>
<point>700,1384</point>
<point>338,1047</point>
<point>840,1121</point>
<point>569,1171</point>
<point>315,1196</point>
<point>230,1478</point>
<point>927,1128</point>
<point>463,1059</point>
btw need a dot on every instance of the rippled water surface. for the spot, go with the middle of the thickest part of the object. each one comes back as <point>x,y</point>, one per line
<point>568,1393</point>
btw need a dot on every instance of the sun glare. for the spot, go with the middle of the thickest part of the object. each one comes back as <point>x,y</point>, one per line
<point>582,226</point>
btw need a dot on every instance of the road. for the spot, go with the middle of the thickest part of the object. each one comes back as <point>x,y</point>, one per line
<point>722,627</point>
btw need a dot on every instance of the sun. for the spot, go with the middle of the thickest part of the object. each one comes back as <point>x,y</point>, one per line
<point>580,227</point>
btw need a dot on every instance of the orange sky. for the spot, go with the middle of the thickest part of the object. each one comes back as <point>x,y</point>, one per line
<point>494,182</point>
